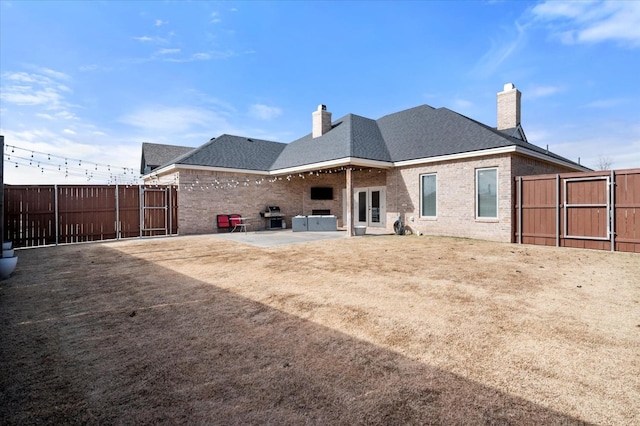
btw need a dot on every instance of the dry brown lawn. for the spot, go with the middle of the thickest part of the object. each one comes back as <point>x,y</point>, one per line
<point>369,330</point>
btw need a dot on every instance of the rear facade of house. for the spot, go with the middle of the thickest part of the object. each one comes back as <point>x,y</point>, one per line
<point>440,172</point>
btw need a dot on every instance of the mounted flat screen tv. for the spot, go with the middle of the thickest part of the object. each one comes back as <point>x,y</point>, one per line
<point>321,193</point>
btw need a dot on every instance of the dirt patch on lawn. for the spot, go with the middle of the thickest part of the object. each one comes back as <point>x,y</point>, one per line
<point>375,330</point>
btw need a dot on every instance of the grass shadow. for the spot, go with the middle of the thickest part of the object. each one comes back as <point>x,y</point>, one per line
<point>119,348</point>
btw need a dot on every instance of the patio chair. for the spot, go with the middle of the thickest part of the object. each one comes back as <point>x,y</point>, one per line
<point>223,222</point>
<point>237,222</point>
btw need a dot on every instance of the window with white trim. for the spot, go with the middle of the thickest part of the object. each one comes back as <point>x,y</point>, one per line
<point>428,195</point>
<point>487,193</point>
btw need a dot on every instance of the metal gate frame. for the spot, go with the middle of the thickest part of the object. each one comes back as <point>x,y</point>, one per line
<point>566,206</point>
<point>167,208</point>
<point>546,207</point>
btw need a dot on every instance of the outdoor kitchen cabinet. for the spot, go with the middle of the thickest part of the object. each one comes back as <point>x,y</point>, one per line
<point>299,223</point>
<point>322,223</point>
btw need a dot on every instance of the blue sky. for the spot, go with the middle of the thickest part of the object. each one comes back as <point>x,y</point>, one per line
<point>91,81</point>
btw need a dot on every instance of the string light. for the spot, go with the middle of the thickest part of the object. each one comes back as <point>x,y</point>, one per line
<point>52,164</point>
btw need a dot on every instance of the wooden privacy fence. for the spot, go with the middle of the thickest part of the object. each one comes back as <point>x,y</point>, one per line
<point>594,210</point>
<point>37,215</point>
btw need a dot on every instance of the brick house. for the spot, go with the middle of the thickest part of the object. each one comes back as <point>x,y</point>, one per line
<point>442,172</point>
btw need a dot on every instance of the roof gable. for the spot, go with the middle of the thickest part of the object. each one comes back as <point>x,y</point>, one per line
<point>424,132</point>
<point>155,155</point>
<point>235,152</point>
<point>350,136</point>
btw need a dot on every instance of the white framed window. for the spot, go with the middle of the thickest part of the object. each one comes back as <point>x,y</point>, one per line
<point>487,193</point>
<point>428,195</point>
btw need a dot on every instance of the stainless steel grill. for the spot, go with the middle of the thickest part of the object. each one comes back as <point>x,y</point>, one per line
<point>273,217</point>
<point>273,211</point>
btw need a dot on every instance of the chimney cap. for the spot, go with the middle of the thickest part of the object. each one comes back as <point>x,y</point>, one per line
<point>509,86</point>
<point>322,107</point>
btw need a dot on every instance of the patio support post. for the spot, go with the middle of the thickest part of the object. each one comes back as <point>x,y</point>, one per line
<point>349,219</point>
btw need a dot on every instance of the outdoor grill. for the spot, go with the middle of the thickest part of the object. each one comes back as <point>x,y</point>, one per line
<point>273,216</point>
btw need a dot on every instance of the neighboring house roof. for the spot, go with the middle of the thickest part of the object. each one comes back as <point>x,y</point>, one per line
<point>155,155</point>
<point>417,133</point>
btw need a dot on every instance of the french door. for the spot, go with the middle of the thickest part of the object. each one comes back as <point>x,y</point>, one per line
<point>369,206</point>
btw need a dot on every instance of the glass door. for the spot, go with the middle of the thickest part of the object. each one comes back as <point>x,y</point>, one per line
<point>369,206</point>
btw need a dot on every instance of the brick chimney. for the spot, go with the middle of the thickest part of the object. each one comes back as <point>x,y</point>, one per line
<point>321,121</point>
<point>509,107</point>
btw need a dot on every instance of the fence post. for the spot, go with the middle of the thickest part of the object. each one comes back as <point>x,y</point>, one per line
<point>56,212</point>
<point>170,229</point>
<point>519,209</point>
<point>117,213</point>
<point>141,207</point>
<point>166,213</point>
<point>612,210</point>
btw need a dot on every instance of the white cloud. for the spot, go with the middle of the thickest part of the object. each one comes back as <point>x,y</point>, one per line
<point>156,40</point>
<point>605,103</point>
<point>591,141</point>
<point>215,18</point>
<point>592,21</point>
<point>143,38</point>
<point>172,120</point>
<point>90,67</point>
<point>68,132</point>
<point>54,74</point>
<point>501,50</point>
<point>31,89</point>
<point>542,91</point>
<point>463,103</point>
<point>25,95</point>
<point>160,22</point>
<point>167,51</point>
<point>264,112</point>
<point>202,56</point>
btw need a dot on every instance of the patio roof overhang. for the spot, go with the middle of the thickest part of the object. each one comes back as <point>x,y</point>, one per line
<point>330,164</point>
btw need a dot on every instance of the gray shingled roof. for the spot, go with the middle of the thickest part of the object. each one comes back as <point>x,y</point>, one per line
<point>415,133</point>
<point>155,155</point>
<point>350,136</point>
<point>234,152</point>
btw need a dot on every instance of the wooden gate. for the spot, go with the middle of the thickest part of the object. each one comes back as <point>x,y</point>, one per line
<point>38,215</point>
<point>595,210</point>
